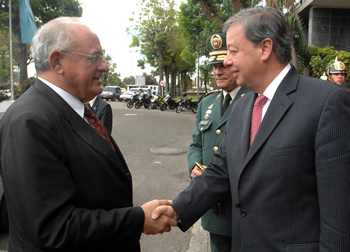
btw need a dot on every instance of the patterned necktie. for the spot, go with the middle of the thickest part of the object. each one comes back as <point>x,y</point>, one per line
<point>226,103</point>
<point>256,116</point>
<point>97,125</point>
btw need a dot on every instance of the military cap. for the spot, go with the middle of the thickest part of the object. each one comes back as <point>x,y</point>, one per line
<point>217,45</point>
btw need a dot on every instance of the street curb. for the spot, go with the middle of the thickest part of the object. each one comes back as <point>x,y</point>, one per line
<point>200,239</point>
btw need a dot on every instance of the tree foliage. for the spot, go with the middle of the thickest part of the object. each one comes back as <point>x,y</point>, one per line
<point>322,58</point>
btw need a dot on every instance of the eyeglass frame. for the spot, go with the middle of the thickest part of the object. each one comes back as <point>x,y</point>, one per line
<point>96,57</point>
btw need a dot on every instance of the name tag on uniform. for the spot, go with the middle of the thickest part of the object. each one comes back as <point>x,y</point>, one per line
<point>203,122</point>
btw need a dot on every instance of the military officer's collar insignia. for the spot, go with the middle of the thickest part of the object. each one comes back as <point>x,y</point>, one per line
<point>242,95</point>
<point>217,96</point>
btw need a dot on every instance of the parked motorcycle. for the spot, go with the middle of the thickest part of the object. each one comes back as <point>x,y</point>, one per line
<point>183,103</point>
<point>144,100</point>
<point>169,102</point>
<point>195,104</point>
<point>134,98</point>
<point>155,101</point>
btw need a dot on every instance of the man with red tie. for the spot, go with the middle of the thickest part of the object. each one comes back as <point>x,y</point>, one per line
<point>290,182</point>
<point>67,185</point>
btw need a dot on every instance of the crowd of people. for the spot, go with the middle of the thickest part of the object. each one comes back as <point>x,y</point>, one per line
<point>269,160</point>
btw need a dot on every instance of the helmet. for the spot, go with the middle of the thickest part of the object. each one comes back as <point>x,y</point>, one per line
<point>337,67</point>
<point>324,77</point>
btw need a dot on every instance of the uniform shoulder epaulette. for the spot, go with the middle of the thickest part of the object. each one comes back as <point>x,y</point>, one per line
<point>212,92</point>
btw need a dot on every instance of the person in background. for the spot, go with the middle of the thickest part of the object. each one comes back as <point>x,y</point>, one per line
<point>285,154</point>
<point>103,111</point>
<point>211,118</point>
<point>66,183</point>
<point>337,73</point>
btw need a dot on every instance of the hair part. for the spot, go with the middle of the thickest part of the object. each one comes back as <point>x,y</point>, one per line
<point>260,23</point>
<point>54,35</point>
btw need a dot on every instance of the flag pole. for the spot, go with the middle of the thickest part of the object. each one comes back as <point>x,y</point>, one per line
<point>11,58</point>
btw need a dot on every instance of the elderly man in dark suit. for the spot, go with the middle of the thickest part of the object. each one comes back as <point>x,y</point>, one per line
<point>66,183</point>
<point>290,183</point>
<point>103,111</point>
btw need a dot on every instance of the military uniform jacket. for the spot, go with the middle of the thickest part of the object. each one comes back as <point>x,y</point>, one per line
<point>206,139</point>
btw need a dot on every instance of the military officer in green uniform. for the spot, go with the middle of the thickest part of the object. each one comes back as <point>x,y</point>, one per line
<point>213,112</point>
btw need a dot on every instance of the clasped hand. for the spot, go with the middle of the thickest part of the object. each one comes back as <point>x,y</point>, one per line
<point>159,217</point>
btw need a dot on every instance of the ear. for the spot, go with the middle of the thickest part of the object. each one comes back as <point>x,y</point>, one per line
<point>56,61</point>
<point>266,49</point>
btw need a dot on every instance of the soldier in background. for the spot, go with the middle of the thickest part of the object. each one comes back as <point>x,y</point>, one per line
<point>212,115</point>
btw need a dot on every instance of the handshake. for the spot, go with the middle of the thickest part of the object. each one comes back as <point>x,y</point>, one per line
<point>159,217</point>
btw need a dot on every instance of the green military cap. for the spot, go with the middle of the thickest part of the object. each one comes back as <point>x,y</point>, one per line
<point>217,44</point>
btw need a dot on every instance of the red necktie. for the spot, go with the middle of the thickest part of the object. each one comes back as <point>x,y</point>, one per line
<point>97,125</point>
<point>256,116</point>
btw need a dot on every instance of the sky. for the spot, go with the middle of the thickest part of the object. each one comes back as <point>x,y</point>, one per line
<point>109,20</point>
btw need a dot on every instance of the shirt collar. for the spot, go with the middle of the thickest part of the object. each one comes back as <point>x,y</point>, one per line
<point>271,89</point>
<point>233,93</point>
<point>72,101</point>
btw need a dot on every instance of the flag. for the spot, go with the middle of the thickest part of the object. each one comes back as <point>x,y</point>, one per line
<point>27,21</point>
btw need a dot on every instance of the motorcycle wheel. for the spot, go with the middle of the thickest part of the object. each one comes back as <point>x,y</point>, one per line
<point>194,110</point>
<point>138,105</point>
<point>172,106</point>
<point>153,105</point>
<point>162,107</point>
<point>129,104</point>
<point>178,109</point>
<point>150,106</point>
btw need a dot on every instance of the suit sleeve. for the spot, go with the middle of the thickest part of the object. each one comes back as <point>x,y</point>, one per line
<point>204,190</point>
<point>107,117</point>
<point>44,197</point>
<point>332,158</point>
<point>195,152</point>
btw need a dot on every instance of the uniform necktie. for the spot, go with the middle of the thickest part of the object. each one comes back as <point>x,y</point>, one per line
<point>97,125</point>
<point>256,116</point>
<point>226,103</point>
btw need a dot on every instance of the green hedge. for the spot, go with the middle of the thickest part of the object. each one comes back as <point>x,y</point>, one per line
<point>322,58</point>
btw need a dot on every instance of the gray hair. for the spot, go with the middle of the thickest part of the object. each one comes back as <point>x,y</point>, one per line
<point>54,35</point>
<point>260,23</point>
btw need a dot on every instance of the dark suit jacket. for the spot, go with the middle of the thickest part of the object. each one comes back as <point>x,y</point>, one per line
<point>208,134</point>
<point>65,188</point>
<point>103,111</point>
<point>290,190</point>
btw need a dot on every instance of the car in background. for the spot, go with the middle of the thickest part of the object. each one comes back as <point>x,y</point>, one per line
<point>126,96</point>
<point>111,93</point>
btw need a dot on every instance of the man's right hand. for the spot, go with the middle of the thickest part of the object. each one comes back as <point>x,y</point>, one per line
<point>196,171</point>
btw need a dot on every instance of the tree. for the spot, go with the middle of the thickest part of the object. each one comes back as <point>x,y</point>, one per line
<point>206,71</point>
<point>129,80</point>
<point>151,32</point>
<point>112,78</point>
<point>44,11</point>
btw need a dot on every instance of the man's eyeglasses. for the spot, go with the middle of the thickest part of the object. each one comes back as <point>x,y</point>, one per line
<point>95,58</point>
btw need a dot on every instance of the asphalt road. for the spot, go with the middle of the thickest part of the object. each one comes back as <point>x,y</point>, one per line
<point>155,144</point>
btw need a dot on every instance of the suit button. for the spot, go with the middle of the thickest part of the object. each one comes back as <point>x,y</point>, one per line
<point>244,213</point>
<point>215,148</point>
<point>218,132</point>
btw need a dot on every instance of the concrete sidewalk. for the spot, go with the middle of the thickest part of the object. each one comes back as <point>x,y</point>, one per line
<point>200,240</point>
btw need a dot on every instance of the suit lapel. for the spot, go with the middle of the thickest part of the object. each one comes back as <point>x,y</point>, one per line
<point>279,105</point>
<point>95,105</point>
<point>82,128</point>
